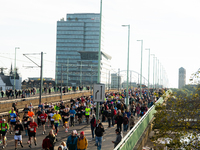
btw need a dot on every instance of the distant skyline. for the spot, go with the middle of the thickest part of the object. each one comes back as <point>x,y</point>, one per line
<point>169,28</point>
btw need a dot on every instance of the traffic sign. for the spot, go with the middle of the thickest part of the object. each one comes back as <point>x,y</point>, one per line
<point>99,92</point>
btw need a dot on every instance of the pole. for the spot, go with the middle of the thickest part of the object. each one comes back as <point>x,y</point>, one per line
<point>153,70</point>
<point>118,77</point>
<point>81,74</point>
<point>41,77</point>
<point>130,78</point>
<point>91,78</point>
<point>155,73</point>
<point>141,69</point>
<point>61,81</point>
<point>15,70</point>
<point>67,72</point>
<point>127,100</point>
<point>99,58</point>
<point>148,72</point>
<point>158,75</point>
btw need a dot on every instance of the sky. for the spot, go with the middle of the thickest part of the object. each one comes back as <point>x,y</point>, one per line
<point>171,29</point>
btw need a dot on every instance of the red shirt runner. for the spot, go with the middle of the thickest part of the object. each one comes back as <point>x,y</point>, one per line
<point>43,117</point>
<point>33,126</point>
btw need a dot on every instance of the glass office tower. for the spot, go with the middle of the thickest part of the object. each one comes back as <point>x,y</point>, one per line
<point>77,48</point>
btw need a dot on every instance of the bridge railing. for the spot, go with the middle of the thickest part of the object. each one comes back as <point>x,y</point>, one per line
<point>133,136</point>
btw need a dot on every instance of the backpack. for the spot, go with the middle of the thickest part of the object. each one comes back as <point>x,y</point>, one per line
<point>46,144</point>
<point>115,112</point>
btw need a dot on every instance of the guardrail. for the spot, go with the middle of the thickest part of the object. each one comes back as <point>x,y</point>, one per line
<point>133,136</point>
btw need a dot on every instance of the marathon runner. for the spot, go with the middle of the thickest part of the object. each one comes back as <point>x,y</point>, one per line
<point>12,118</point>
<point>4,127</point>
<point>18,134</point>
<point>25,122</point>
<point>57,118</point>
<point>43,118</point>
<point>32,127</point>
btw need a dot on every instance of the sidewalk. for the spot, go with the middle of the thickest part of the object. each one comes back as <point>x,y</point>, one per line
<point>108,137</point>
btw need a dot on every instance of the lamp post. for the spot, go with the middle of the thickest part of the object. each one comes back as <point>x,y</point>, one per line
<point>127,100</point>
<point>141,69</point>
<point>153,69</point>
<point>15,69</point>
<point>148,70</point>
<point>99,58</point>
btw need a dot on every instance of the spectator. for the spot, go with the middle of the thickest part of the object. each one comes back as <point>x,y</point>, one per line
<point>119,120</point>
<point>64,145</point>
<point>99,134</point>
<point>93,125</point>
<point>52,139</point>
<point>82,142</point>
<point>118,137</point>
<point>125,122</point>
<point>72,141</point>
<point>131,121</point>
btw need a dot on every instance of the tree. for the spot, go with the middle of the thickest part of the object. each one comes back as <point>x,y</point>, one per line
<point>178,120</point>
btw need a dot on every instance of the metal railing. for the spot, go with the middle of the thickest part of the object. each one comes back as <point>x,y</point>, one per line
<point>133,136</point>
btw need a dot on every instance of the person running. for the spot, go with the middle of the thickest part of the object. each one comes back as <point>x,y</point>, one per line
<point>51,119</point>
<point>25,122</point>
<point>18,134</point>
<point>31,113</point>
<point>72,114</point>
<point>39,112</point>
<point>12,119</point>
<point>48,112</point>
<point>57,118</point>
<point>32,127</point>
<point>4,127</point>
<point>43,118</point>
<point>79,112</point>
<point>87,113</point>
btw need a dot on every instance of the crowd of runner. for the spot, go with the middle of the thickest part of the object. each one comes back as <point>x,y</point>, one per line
<point>81,110</point>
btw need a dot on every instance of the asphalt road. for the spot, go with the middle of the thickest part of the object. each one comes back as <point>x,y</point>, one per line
<point>61,135</point>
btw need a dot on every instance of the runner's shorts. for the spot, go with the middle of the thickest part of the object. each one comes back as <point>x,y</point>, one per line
<point>18,137</point>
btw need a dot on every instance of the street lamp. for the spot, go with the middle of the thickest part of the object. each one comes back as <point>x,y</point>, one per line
<point>153,69</point>
<point>99,58</point>
<point>148,69</point>
<point>15,69</point>
<point>141,69</point>
<point>127,100</point>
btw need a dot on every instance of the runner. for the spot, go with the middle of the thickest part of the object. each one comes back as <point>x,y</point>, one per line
<point>57,118</point>
<point>51,119</point>
<point>25,122</point>
<point>18,135</point>
<point>12,119</point>
<point>31,113</point>
<point>72,114</point>
<point>65,116</point>
<point>32,127</point>
<point>43,118</point>
<point>87,113</point>
<point>79,112</point>
<point>4,127</point>
<point>48,112</point>
<point>39,112</point>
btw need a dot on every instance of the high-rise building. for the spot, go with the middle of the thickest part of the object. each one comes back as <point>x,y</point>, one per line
<point>77,49</point>
<point>116,81</point>
<point>182,77</point>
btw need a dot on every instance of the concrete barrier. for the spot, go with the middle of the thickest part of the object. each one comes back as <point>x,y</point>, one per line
<point>7,104</point>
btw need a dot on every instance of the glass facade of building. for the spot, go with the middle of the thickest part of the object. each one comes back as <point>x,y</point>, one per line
<point>77,48</point>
